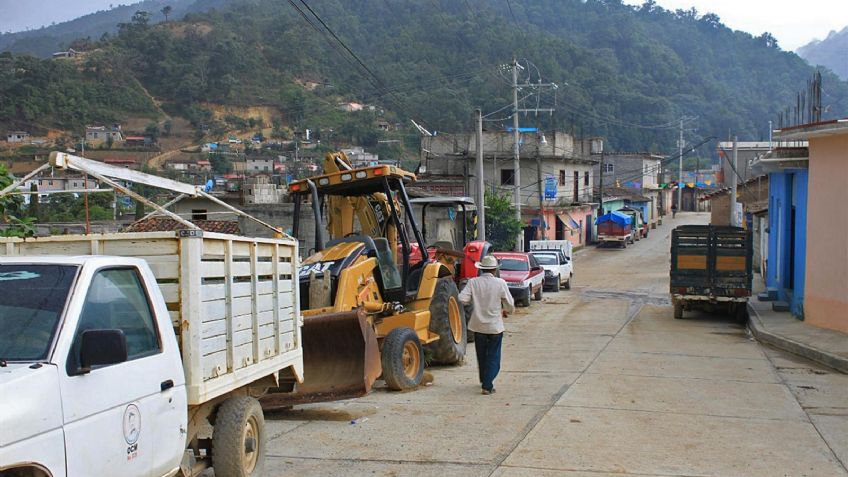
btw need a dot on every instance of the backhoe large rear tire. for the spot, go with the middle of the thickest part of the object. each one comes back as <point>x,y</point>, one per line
<point>238,438</point>
<point>402,359</point>
<point>447,319</point>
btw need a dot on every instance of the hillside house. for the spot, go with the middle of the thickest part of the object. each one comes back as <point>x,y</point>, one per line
<point>17,136</point>
<point>256,165</point>
<point>100,134</point>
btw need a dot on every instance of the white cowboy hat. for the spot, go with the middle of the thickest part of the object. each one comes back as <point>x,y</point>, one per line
<point>488,262</point>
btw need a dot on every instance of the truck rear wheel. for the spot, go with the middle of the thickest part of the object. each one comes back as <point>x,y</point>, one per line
<point>678,310</point>
<point>402,359</point>
<point>447,319</point>
<point>568,282</point>
<point>238,438</point>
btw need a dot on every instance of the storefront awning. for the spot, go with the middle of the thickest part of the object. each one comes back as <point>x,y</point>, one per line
<point>568,222</point>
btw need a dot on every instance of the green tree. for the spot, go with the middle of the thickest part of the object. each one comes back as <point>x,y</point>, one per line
<point>220,164</point>
<point>166,10</point>
<point>502,227</point>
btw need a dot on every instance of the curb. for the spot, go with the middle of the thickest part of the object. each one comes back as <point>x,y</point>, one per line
<point>759,331</point>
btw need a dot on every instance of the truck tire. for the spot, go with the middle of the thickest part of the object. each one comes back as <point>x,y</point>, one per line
<point>624,244</point>
<point>568,282</point>
<point>538,295</point>
<point>402,359</point>
<point>238,438</point>
<point>740,313</point>
<point>558,283</point>
<point>447,319</point>
<point>524,301</point>
<point>678,310</point>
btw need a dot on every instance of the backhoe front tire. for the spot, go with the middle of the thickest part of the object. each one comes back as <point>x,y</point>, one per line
<point>402,359</point>
<point>447,319</point>
<point>238,438</point>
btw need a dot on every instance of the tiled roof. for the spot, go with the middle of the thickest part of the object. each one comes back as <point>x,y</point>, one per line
<point>164,224</point>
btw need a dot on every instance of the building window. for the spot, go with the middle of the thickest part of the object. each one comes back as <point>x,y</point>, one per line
<point>561,177</point>
<point>608,168</point>
<point>198,214</point>
<point>586,178</point>
<point>576,197</point>
<point>507,177</point>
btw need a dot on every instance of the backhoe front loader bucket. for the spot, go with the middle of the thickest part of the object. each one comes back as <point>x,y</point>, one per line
<point>341,360</point>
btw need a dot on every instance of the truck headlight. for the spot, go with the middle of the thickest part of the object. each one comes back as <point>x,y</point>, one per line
<point>549,273</point>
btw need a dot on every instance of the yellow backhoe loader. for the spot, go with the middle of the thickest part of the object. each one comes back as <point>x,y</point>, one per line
<point>373,302</point>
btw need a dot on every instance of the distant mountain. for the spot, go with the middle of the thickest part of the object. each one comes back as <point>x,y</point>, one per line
<point>831,52</point>
<point>628,73</point>
<point>45,41</point>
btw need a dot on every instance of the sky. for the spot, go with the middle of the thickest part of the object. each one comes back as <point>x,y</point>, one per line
<point>794,23</point>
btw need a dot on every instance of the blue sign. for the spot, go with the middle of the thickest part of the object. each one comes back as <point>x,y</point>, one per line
<point>550,188</point>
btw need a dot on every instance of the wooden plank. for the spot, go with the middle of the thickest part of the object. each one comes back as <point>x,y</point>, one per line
<point>241,249</point>
<point>190,336</point>
<point>243,337</point>
<point>275,314</point>
<point>211,329</point>
<point>228,305</point>
<point>255,303</point>
<point>213,344</point>
<point>214,365</point>
<point>266,331</point>
<point>165,270</point>
<point>214,248</point>
<point>243,356</point>
<point>692,262</point>
<point>170,292</point>
<point>213,291</point>
<point>263,303</point>
<point>218,309</point>
<point>727,263</point>
<point>133,247</point>
<point>267,348</point>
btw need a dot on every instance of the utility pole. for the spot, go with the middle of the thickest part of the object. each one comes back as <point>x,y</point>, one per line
<point>733,186</point>
<point>601,182</point>
<point>481,194</point>
<point>516,174</point>
<point>680,169</point>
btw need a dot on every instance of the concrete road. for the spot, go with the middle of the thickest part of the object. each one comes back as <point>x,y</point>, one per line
<point>596,381</point>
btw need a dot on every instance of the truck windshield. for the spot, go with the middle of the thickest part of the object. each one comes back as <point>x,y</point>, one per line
<point>546,259</point>
<point>31,305</point>
<point>513,265</point>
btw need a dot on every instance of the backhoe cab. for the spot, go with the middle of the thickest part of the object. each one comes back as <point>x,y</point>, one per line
<point>369,309</point>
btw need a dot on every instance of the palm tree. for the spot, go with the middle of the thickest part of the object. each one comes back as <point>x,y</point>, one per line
<point>166,10</point>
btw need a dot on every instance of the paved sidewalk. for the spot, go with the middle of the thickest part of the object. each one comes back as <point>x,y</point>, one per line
<point>782,330</point>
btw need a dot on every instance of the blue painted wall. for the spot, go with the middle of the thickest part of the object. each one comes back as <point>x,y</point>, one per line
<point>788,190</point>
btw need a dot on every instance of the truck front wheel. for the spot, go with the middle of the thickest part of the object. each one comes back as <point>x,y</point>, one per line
<point>238,438</point>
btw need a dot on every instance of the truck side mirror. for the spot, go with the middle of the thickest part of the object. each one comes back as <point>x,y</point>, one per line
<point>101,348</point>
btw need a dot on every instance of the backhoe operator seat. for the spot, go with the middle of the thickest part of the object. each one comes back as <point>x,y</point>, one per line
<point>389,280</point>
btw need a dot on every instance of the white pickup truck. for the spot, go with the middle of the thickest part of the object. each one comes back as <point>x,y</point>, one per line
<point>555,256</point>
<point>142,354</point>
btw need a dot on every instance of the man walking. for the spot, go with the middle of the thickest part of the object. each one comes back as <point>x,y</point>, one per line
<point>491,302</point>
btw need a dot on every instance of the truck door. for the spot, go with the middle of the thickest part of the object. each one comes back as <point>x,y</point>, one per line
<point>113,413</point>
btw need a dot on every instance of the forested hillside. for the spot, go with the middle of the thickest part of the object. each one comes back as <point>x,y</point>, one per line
<point>831,52</point>
<point>625,72</point>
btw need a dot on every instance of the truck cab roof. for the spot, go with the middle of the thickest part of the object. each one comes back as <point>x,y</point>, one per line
<point>79,260</point>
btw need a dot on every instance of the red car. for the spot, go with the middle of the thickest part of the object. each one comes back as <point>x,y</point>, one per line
<point>523,275</point>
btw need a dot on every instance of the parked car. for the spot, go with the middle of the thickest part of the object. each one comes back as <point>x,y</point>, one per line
<point>558,270</point>
<point>523,275</point>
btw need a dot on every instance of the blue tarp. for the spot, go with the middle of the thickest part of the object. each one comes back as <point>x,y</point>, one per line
<point>615,216</point>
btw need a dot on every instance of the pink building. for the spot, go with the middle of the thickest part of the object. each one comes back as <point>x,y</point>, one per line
<point>826,277</point>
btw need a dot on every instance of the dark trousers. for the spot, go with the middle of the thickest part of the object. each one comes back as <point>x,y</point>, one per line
<point>488,349</point>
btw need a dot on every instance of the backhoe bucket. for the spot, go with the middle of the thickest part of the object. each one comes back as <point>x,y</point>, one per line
<point>341,360</point>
